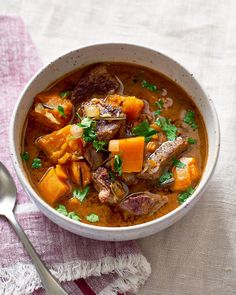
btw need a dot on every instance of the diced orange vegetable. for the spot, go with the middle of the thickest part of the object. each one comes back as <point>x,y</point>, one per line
<point>61,172</point>
<point>80,172</point>
<point>52,187</point>
<point>187,176</point>
<point>131,151</point>
<point>45,110</point>
<point>58,146</point>
<point>130,105</point>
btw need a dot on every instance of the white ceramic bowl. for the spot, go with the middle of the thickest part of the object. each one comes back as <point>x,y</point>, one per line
<point>114,53</point>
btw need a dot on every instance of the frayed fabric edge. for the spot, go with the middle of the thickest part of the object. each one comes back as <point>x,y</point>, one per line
<point>133,270</point>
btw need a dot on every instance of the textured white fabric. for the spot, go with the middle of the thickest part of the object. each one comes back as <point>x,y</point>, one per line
<point>196,256</point>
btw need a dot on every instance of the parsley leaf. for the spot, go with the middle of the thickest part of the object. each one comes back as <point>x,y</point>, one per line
<point>25,156</point>
<point>169,129</point>
<point>61,111</point>
<point>160,103</point>
<point>185,195</point>
<point>191,140</point>
<point>149,86</point>
<point>144,129</point>
<point>37,163</point>
<point>99,145</point>
<point>64,94</point>
<point>81,194</point>
<point>92,217</point>
<point>118,164</point>
<point>112,176</point>
<point>72,215</point>
<point>189,119</point>
<point>89,126</point>
<point>177,163</point>
<point>165,177</point>
<point>157,112</point>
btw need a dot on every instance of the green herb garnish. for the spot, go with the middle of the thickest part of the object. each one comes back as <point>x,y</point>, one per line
<point>61,111</point>
<point>157,112</point>
<point>165,176</point>
<point>149,86</point>
<point>189,119</point>
<point>118,164</point>
<point>92,217</point>
<point>185,195</point>
<point>25,156</point>
<point>37,163</point>
<point>191,140</point>
<point>81,194</point>
<point>99,145</point>
<point>64,94</point>
<point>89,127</point>
<point>177,163</point>
<point>169,129</point>
<point>144,129</point>
<point>72,215</point>
<point>160,103</point>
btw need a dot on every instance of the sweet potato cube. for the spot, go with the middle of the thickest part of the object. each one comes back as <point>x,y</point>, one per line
<point>45,110</point>
<point>130,105</point>
<point>60,147</point>
<point>187,176</point>
<point>80,173</point>
<point>53,187</point>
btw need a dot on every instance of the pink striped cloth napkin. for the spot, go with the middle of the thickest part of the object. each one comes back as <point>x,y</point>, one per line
<point>84,266</point>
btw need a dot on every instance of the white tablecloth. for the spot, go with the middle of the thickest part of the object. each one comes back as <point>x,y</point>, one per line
<point>198,254</point>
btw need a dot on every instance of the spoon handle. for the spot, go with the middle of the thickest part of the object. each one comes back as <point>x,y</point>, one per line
<point>48,280</point>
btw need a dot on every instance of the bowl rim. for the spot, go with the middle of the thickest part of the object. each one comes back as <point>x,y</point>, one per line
<point>34,195</point>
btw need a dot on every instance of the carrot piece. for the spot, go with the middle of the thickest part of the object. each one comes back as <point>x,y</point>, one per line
<point>130,105</point>
<point>58,146</point>
<point>131,151</point>
<point>185,177</point>
<point>52,187</point>
<point>80,172</point>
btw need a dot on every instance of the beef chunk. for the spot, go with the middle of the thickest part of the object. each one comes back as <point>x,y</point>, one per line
<point>94,158</point>
<point>107,130</point>
<point>130,178</point>
<point>142,204</point>
<point>157,161</point>
<point>96,81</point>
<point>109,191</point>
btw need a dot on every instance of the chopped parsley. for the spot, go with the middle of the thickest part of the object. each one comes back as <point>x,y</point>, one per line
<point>191,140</point>
<point>92,217</point>
<point>189,119</point>
<point>185,195</point>
<point>144,129</point>
<point>160,103</point>
<point>157,112</point>
<point>25,156</point>
<point>61,111</point>
<point>165,177</point>
<point>89,127</point>
<point>37,163</point>
<point>169,129</point>
<point>99,145</point>
<point>177,163</point>
<point>149,86</point>
<point>72,215</point>
<point>64,94</point>
<point>81,194</point>
<point>118,164</point>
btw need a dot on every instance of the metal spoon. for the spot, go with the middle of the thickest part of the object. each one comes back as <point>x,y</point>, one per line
<point>7,203</point>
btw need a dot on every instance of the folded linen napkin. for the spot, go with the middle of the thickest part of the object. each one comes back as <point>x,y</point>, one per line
<point>85,266</point>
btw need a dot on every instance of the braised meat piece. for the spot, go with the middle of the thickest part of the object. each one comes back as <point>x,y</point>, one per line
<point>130,178</point>
<point>142,203</point>
<point>94,158</point>
<point>157,161</point>
<point>109,191</point>
<point>96,81</point>
<point>106,130</point>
